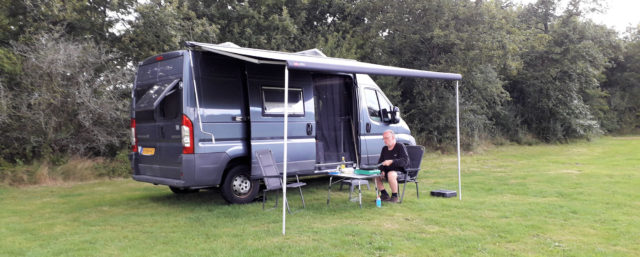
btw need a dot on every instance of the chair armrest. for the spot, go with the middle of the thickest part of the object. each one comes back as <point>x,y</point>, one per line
<point>405,171</point>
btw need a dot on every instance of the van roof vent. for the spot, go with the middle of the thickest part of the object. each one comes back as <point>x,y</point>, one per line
<point>229,44</point>
<point>312,52</point>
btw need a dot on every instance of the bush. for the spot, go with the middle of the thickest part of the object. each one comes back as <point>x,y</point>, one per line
<point>69,100</point>
<point>73,169</point>
<point>118,167</point>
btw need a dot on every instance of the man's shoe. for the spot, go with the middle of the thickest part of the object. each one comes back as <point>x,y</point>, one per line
<point>394,199</point>
<point>385,197</point>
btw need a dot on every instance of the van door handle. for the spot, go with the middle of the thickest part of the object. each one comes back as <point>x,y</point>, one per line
<point>309,129</point>
<point>368,127</point>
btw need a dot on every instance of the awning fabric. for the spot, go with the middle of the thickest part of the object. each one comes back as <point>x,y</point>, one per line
<point>296,61</point>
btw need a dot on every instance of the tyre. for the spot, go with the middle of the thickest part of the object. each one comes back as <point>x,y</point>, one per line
<point>237,187</point>
<point>181,191</point>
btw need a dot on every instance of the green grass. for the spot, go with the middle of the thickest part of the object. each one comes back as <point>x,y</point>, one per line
<point>580,199</point>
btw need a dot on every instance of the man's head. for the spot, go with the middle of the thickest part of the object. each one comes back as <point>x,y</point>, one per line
<point>389,138</point>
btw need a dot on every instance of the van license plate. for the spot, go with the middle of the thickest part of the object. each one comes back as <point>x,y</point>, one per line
<point>148,151</point>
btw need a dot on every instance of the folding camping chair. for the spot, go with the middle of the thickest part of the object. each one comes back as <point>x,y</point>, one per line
<point>273,178</point>
<point>410,174</point>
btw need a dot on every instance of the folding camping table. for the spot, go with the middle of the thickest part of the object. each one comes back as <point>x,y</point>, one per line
<point>343,176</point>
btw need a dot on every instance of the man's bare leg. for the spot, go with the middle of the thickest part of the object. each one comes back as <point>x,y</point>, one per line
<point>393,181</point>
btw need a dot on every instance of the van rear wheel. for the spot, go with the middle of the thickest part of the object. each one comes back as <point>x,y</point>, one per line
<point>238,186</point>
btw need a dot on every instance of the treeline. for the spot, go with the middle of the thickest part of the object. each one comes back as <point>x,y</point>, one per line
<point>536,72</point>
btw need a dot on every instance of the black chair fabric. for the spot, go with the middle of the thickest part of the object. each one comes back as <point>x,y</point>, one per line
<point>272,177</point>
<point>410,174</point>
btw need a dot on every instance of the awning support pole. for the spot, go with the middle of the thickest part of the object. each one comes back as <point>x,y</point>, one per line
<point>284,158</point>
<point>458,139</point>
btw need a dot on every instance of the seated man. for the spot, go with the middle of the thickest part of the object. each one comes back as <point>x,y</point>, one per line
<point>393,158</point>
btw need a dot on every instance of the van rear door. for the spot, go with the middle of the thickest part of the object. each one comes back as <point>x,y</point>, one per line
<point>158,114</point>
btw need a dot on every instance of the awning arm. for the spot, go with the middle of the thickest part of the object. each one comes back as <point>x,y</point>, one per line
<point>242,57</point>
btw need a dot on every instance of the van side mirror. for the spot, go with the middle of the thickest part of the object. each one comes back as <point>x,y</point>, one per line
<point>385,115</point>
<point>395,115</point>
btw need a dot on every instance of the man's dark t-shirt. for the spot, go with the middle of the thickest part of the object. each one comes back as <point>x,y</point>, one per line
<point>398,155</point>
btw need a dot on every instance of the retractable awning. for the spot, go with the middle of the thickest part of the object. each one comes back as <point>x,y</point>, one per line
<point>296,61</point>
<point>320,63</point>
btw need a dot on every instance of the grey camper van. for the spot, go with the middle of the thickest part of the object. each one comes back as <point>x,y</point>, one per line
<point>198,115</point>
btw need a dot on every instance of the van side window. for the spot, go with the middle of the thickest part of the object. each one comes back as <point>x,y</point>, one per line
<point>385,104</point>
<point>273,100</point>
<point>372,104</point>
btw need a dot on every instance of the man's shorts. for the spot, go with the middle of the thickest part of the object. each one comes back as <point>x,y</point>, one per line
<point>386,174</point>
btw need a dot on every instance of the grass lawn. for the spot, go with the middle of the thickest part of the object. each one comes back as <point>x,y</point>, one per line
<point>580,199</point>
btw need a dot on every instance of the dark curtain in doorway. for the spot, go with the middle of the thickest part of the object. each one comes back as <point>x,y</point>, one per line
<point>334,118</point>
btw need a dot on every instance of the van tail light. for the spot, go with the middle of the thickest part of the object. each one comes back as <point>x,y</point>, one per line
<point>187,135</point>
<point>134,137</point>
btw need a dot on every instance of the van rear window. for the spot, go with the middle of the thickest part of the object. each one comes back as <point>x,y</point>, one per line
<point>162,70</point>
<point>155,94</point>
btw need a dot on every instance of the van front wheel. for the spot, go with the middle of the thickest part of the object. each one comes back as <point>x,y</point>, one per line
<point>238,186</point>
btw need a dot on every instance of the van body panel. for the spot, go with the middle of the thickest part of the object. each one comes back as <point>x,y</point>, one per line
<point>224,133</point>
<point>406,139</point>
<point>183,179</point>
<point>160,180</point>
<point>159,170</point>
<point>209,168</point>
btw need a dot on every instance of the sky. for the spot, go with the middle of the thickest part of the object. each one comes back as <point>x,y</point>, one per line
<point>620,14</point>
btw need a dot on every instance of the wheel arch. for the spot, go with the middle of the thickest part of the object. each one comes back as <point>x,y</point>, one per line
<point>239,160</point>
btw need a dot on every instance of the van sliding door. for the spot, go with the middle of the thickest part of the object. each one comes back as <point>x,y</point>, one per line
<point>266,100</point>
<point>337,125</point>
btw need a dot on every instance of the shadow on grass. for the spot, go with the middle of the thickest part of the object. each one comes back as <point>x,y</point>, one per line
<point>213,196</point>
<point>203,197</point>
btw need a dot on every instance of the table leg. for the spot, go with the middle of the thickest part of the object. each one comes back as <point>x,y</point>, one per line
<point>359,195</point>
<point>376,186</point>
<point>329,192</point>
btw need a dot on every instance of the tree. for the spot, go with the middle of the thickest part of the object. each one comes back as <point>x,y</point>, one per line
<point>474,39</point>
<point>163,26</point>
<point>557,94</point>
<point>69,99</point>
<point>623,87</point>
<point>78,18</point>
